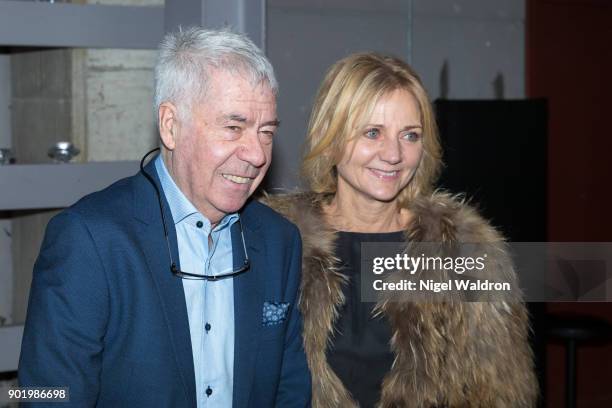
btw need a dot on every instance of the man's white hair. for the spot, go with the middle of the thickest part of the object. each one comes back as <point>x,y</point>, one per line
<point>187,56</point>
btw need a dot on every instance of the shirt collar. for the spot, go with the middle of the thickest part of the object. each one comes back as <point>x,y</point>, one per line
<point>181,208</point>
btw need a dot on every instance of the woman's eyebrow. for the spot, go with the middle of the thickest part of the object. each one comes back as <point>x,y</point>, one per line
<point>409,127</point>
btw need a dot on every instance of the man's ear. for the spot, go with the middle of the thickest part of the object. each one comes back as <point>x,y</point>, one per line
<point>168,124</point>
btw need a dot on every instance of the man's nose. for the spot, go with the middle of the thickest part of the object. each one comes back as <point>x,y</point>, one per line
<point>390,150</point>
<point>252,150</point>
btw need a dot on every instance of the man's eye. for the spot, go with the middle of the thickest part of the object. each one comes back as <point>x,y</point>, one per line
<point>234,128</point>
<point>372,133</point>
<point>412,136</point>
<point>268,135</point>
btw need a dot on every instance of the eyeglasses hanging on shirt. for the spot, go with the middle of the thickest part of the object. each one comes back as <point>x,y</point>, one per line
<point>173,268</point>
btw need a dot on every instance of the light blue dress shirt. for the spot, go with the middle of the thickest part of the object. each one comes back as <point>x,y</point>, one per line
<point>210,305</point>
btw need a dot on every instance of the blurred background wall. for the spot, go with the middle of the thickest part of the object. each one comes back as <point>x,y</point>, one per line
<point>462,49</point>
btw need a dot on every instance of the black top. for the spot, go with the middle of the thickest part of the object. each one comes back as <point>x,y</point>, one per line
<point>360,354</point>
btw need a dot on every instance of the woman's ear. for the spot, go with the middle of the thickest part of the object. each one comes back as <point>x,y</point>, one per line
<point>168,124</point>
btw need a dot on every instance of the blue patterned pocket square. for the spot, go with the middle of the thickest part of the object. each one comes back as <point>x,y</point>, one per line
<point>274,313</point>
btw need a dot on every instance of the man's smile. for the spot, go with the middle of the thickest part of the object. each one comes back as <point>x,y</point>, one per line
<point>238,179</point>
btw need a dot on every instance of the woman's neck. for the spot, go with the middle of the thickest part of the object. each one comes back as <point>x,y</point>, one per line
<point>359,214</point>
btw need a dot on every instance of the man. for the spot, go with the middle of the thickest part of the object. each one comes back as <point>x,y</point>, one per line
<point>170,288</point>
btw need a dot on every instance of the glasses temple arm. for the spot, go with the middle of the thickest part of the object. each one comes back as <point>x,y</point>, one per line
<point>161,204</point>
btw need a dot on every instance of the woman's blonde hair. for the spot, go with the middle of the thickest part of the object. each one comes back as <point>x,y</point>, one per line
<point>346,98</point>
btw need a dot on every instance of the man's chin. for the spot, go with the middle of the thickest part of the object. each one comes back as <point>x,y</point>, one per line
<point>232,206</point>
<point>232,201</point>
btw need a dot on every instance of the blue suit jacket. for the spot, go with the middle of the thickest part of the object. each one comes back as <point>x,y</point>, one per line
<point>107,318</point>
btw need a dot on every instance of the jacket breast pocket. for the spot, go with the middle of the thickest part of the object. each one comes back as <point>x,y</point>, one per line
<point>274,332</point>
<point>274,319</point>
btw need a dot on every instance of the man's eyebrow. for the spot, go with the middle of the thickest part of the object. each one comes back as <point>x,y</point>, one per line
<point>239,118</point>
<point>274,122</point>
<point>234,117</point>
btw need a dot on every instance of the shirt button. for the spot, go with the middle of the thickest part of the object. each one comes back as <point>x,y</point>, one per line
<point>207,327</point>
<point>208,391</point>
<point>199,224</point>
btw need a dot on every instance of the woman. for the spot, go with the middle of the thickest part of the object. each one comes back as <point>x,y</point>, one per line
<point>372,156</point>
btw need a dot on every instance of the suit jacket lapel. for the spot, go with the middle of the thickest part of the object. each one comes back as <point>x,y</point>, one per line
<point>248,303</point>
<point>169,287</point>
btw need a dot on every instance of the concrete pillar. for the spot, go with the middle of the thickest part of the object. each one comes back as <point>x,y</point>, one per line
<point>44,108</point>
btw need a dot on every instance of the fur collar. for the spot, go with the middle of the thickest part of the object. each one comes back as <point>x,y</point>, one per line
<point>451,354</point>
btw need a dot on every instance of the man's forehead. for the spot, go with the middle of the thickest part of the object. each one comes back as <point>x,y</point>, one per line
<point>238,78</point>
<point>237,103</point>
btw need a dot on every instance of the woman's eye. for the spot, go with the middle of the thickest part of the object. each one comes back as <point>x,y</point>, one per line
<point>372,133</point>
<point>412,137</point>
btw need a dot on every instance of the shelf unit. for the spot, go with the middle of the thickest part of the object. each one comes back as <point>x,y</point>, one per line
<point>29,23</point>
<point>46,186</point>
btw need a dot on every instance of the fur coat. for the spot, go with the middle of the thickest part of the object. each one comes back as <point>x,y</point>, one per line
<point>447,354</point>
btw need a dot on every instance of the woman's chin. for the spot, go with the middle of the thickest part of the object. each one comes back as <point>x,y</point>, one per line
<point>383,196</point>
